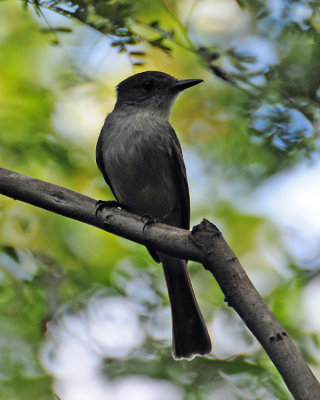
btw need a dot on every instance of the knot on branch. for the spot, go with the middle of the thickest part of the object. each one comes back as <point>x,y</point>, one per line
<point>58,196</point>
<point>203,234</point>
<point>278,337</point>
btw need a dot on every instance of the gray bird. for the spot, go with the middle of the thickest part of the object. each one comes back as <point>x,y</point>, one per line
<point>140,157</point>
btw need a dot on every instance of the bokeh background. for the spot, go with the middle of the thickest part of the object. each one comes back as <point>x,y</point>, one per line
<point>85,314</point>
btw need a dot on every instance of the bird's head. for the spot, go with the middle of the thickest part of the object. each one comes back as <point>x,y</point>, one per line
<point>151,90</point>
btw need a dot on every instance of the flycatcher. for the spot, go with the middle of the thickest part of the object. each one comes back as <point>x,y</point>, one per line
<point>140,157</point>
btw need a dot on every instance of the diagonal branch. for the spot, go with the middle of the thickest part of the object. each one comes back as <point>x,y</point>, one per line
<point>204,244</point>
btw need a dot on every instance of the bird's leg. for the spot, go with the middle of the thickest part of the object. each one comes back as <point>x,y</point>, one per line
<point>100,204</point>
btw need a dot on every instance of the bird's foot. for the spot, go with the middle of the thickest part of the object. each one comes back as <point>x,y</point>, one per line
<point>152,220</point>
<point>149,220</point>
<point>100,204</point>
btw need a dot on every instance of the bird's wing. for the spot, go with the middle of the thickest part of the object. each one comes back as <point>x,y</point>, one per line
<point>99,160</point>
<point>180,177</point>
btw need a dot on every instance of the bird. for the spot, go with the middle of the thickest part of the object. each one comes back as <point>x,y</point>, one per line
<point>140,158</point>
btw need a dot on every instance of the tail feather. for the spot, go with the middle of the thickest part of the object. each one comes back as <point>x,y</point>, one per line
<point>190,334</point>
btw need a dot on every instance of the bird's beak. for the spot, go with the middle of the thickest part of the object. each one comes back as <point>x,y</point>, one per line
<point>185,84</point>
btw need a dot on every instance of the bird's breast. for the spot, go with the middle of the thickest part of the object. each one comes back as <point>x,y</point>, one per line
<point>136,156</point>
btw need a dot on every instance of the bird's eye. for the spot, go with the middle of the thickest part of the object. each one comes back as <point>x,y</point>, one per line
<point>147,85</point>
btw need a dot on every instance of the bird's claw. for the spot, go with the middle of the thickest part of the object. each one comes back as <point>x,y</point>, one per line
<point>150,220</point>
<point>100,204</point>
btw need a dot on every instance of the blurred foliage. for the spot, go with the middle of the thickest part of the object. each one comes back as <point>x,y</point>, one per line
<point>281,96</point>
<point>256,115</point>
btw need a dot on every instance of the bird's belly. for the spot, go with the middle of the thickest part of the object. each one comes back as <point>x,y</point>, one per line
<point>143,181</point>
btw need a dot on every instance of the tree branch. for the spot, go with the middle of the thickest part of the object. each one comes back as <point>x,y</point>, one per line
<point>204,244</point>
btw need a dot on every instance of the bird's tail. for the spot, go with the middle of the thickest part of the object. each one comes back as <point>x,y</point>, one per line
<point>190,335</point>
